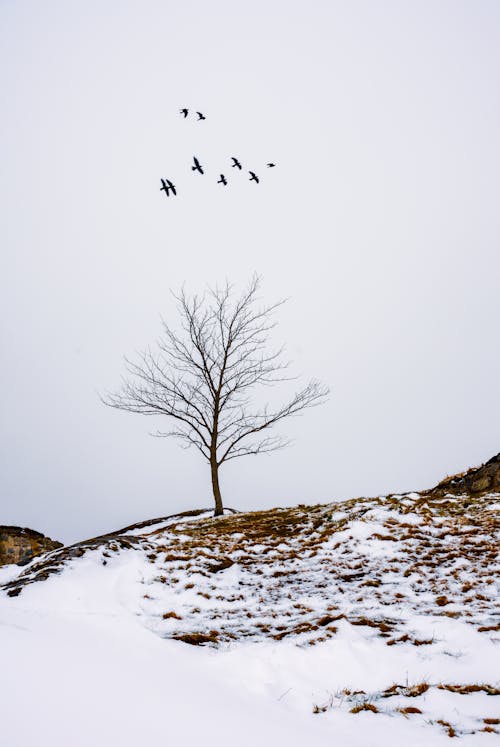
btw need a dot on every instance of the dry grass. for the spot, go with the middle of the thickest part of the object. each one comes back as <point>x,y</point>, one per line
<point>466,689</point>
<point>409,710</point>
<point>488,628</point>
<point>327,619</point>
<point>384,626</point>
<point>409,691</point>
<point>441,601</point>
<point>171,616</point>
<point>364,707</point>
<point>197,639</point>
<point>449,728</point>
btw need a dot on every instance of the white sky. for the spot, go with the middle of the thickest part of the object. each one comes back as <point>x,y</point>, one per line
<point>381,224</point>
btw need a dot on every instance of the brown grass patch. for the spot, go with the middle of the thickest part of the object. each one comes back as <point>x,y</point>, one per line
<point>221,565</point>
<point>442,600</point>
<point>304,627</point>
<point>489,628</point>
<point>449,728</point>
<point>465,689</point>
<point>364,707</point>
<point>402,639</point>
<point>327,619</point>
<point>171,615</point>
<point>410,691</point>
<point>171,558</point>
<point>197,639</point>
<point>385,626</point>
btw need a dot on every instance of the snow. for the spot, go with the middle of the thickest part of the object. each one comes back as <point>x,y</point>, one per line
<point>163,524</point>
<point>78,669</point>
<point>88,658</point>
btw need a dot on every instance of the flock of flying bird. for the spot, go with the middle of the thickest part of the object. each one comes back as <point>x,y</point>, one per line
<point>167,185</point>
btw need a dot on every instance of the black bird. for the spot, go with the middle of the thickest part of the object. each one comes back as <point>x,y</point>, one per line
<point>200,115</point>
<point>167,187</point>
<point>197,166</point>
<point>235,163</point>
<point>222,180</point>
<point>253,177</point>
<point>271,165</point>
<point>185,112</point>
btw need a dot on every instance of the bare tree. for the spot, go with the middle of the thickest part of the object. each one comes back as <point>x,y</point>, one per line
<point>203,376</point>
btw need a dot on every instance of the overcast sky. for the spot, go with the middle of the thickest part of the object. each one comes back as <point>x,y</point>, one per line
<point>380,224</point>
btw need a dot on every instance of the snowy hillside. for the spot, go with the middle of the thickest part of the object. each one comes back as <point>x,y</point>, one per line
<point>366,622</point>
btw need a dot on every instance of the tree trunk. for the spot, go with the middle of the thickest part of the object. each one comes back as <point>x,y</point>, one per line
<point>219,510</point>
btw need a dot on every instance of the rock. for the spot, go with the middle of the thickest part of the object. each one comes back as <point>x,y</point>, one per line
<point>19,545</point>
<point>475,482</point>
<point>483,482</point>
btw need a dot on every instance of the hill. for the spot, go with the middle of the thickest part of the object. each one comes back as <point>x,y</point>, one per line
<point>372,618</point>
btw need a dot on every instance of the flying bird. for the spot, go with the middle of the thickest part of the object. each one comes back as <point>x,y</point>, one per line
<point>200,116</point>
<point>197,166</point>
<point>271,165</point>
<point>253,177</point>
<point>222,180</point>
<point>185,112</point>
<point>167,187</point>
<point>236,163</point>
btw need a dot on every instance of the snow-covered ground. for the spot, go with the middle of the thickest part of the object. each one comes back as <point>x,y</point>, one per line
<point>381,607</point>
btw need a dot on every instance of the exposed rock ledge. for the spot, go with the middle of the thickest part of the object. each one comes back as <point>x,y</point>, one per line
<point>474,482</point>
<point>19,545</point>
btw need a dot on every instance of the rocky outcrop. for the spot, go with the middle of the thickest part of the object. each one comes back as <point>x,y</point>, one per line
<point>474,482</point>
<point>19,545</point>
